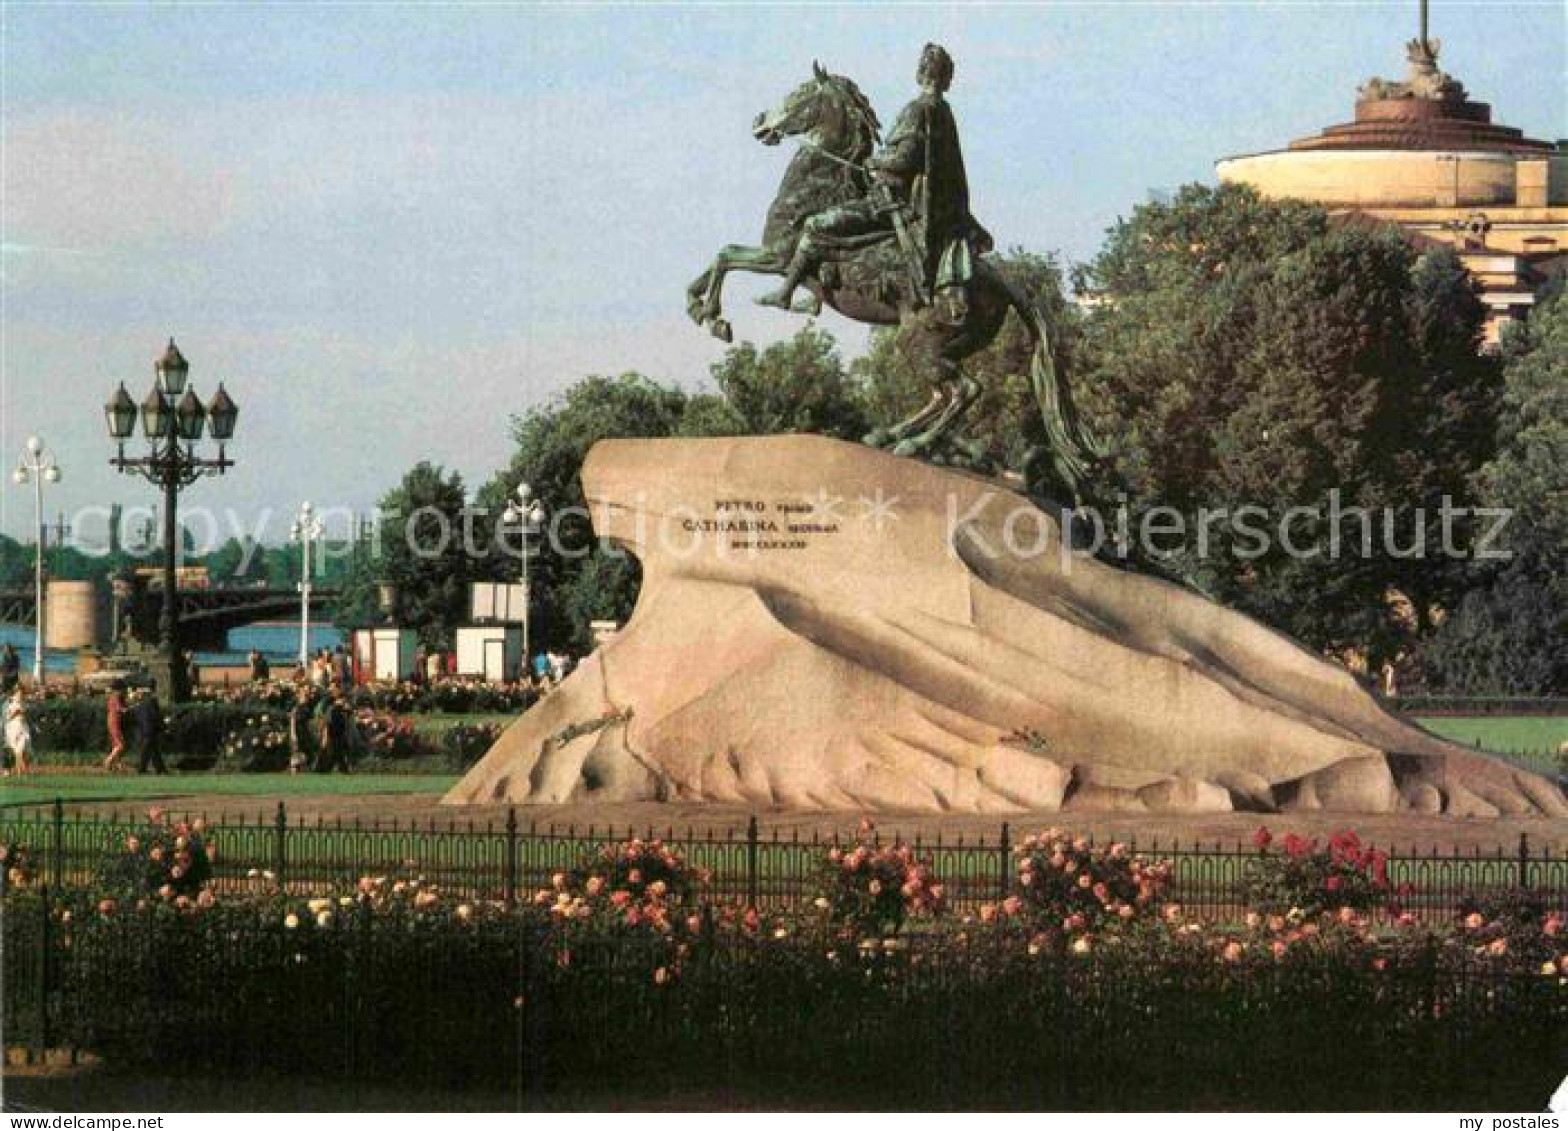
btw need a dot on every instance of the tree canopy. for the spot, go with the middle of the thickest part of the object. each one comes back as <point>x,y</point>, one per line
<point>423,552</point>
<point>1509,635</point>
<point>1243,353</point>
<point>797,385</point>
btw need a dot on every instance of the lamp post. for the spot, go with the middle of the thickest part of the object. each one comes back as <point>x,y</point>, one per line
<point>306,529</point>
<point>37,467</point>
<point>173,419</point>
<point>527,514</point>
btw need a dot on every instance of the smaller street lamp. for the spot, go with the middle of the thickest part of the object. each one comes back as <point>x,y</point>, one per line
<point>37,467</point>
<point>527,513</point>
<point>306,529</point>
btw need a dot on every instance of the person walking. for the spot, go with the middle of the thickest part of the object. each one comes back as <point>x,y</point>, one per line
<point>299,730</point>
<point>116,713</point>
<point>18,735</point>
<point>433,667</point>
<point>10,669</point>
<point>335,719</point>
<point>148,714</point>
<point>320,671</point>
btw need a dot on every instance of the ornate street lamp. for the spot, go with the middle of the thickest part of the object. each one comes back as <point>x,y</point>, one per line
<point>527,514</point>
<point>173,419</point>
<point>305,530</point>
<point>37,467</point>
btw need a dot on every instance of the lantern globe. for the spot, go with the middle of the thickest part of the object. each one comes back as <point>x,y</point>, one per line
<point>222,412</point>
<point>156,415</point>
<point>120,413</point>
<point>172,369</point>
<point>190,416</point>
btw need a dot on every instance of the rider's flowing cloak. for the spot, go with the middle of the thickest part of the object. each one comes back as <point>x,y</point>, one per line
<point>924,147</point>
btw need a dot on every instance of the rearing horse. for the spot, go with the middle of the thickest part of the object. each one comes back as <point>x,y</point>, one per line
<point>865,279</point>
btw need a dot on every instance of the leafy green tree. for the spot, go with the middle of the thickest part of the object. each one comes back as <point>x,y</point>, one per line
<point>797,385</point>
<point>423,551</point>
<point>1251,353</point>
<point>1509,636</point>
<point>707,414</point>
<point>16,563</point>
<point>571,584</point>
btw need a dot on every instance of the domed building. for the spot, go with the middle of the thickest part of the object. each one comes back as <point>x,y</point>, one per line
<point>1420,153</point>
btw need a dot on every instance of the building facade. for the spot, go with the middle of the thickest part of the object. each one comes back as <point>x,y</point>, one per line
<point>1421,154</point>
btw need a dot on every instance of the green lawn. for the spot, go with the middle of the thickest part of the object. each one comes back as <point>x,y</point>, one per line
<point>1529,736</point>
<point>37,787</point>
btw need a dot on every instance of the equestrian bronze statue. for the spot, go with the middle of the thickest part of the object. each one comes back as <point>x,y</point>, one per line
<point>884,235</point>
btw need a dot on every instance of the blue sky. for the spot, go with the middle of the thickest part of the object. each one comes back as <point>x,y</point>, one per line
<point>390,227</point>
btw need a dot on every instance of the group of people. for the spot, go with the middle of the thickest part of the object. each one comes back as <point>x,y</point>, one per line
<point>141,712</point>
<point>549,668</point>
<point>327,667</point>
<point>335,667</point>
<point>430,664</point>
<point>322,729</point>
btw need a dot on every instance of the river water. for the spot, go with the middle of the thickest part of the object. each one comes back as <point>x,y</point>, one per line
<point>277,640</point>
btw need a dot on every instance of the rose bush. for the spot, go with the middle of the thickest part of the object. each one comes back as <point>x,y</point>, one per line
<point>1297,874</point>
<point>1066,889</point>
<point>466,743</point>
<point>257,742</point>
<point>171,859</point>
<point>871,889</point>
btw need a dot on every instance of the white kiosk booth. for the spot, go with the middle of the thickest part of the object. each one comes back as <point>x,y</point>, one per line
<point>385,654</point>
<point>492,647</point>
<point>491,651</point>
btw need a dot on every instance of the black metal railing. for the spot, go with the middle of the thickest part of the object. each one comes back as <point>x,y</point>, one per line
<point>515,1010</point>
<point>510,859</point>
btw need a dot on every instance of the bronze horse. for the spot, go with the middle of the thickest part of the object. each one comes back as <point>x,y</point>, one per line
<point>864,279</point>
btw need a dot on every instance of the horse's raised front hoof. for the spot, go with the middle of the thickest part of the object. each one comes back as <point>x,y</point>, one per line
<point>810,305</point>
<point>696,310</point>
<point>721,330</point>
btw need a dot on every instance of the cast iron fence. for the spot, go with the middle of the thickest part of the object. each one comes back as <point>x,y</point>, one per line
<point>771,870</point>
<point>510,1010</point>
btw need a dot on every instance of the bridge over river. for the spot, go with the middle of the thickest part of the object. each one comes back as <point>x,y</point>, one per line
<point>206,615</point>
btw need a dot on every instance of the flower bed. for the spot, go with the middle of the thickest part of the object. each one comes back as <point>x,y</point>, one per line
<point>396,980</point>
<point>624,969</point>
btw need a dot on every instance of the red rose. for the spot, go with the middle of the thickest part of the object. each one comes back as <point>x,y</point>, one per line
<point>1298,846</point>
<point>1262,838</point>
<point>1333,883</point>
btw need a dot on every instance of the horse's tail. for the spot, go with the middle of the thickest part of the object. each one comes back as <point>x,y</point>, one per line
<point>1073,451</point>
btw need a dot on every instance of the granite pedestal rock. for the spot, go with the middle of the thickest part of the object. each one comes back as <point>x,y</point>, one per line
<point>825,626</point>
